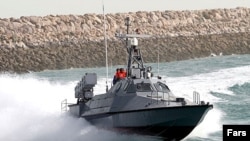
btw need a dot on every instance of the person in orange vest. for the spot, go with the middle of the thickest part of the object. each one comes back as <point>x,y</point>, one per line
<point>116,76</point>
<point>122,74</point>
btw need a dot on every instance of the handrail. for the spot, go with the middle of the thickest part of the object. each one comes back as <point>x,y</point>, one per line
<point>196,97</point>
<point>64,106</point>
<point>162,98</point>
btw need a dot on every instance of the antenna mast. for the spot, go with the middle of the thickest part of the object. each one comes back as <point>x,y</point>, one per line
<point>127,23</point>
<point>158,59</point>
<point>106,46</point>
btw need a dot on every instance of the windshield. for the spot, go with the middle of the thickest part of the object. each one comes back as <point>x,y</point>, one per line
<point>144,87</point>
<point>161,87</point>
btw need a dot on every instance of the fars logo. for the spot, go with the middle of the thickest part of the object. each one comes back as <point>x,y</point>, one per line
<point>236,132</point>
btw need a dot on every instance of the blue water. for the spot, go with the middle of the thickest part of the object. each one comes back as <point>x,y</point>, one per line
<point>30,103</point>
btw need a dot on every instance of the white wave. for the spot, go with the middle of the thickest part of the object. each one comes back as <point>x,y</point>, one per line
<point>210,124</point>
<point>30,111</point>
<point>26,104</point>
<point>206,83</point>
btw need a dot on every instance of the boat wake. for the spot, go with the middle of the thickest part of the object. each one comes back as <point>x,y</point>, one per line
<point>30,111</point>
<point>215,82</point>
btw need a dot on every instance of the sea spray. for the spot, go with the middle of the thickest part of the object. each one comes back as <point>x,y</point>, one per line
<point>30,111</point>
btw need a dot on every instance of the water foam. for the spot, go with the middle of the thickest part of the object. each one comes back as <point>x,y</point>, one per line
<point>219,81</point>
<point>27,104</point>
<point>206,83</point>
<point>30,111</point>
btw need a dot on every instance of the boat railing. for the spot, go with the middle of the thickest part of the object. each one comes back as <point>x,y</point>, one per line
<point>163,97</point>
<point>196,97</point>
<point>64,106</point>
<point>160,96</point>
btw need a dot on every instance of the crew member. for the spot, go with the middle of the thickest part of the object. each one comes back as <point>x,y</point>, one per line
<point>116,76</point>
<point>122,74</point>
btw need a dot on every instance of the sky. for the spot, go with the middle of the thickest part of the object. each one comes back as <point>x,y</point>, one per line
<point>18,8</point>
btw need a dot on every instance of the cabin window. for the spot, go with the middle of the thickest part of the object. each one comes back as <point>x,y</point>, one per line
<point>144,87</point>
<point>131,88</point>
<point>161,87</point>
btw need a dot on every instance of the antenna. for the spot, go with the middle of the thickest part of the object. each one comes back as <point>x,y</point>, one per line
<point>106,46</point>
<point>127,23</point>
<point>111,66</point>
<point>158,59</point>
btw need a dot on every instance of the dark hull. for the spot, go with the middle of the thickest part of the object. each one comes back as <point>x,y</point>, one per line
<point>168,123</point>
<point>166,132</point>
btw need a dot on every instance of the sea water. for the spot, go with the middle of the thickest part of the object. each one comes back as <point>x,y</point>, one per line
<point>30,104</point>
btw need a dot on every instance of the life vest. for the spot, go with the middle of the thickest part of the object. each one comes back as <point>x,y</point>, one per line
<point>122,75</point>
<point>116,77</point>
<point>117,74</point>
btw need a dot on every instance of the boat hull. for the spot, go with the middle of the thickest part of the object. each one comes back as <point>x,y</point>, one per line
<point>168,123</point>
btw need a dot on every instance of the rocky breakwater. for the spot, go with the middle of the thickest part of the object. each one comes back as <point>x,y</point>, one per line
<point>64,41</point>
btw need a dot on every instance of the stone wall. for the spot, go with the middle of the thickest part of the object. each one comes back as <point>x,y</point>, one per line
<point>65,41</point>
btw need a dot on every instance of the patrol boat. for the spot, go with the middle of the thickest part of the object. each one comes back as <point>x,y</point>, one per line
<point>139,104</point>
